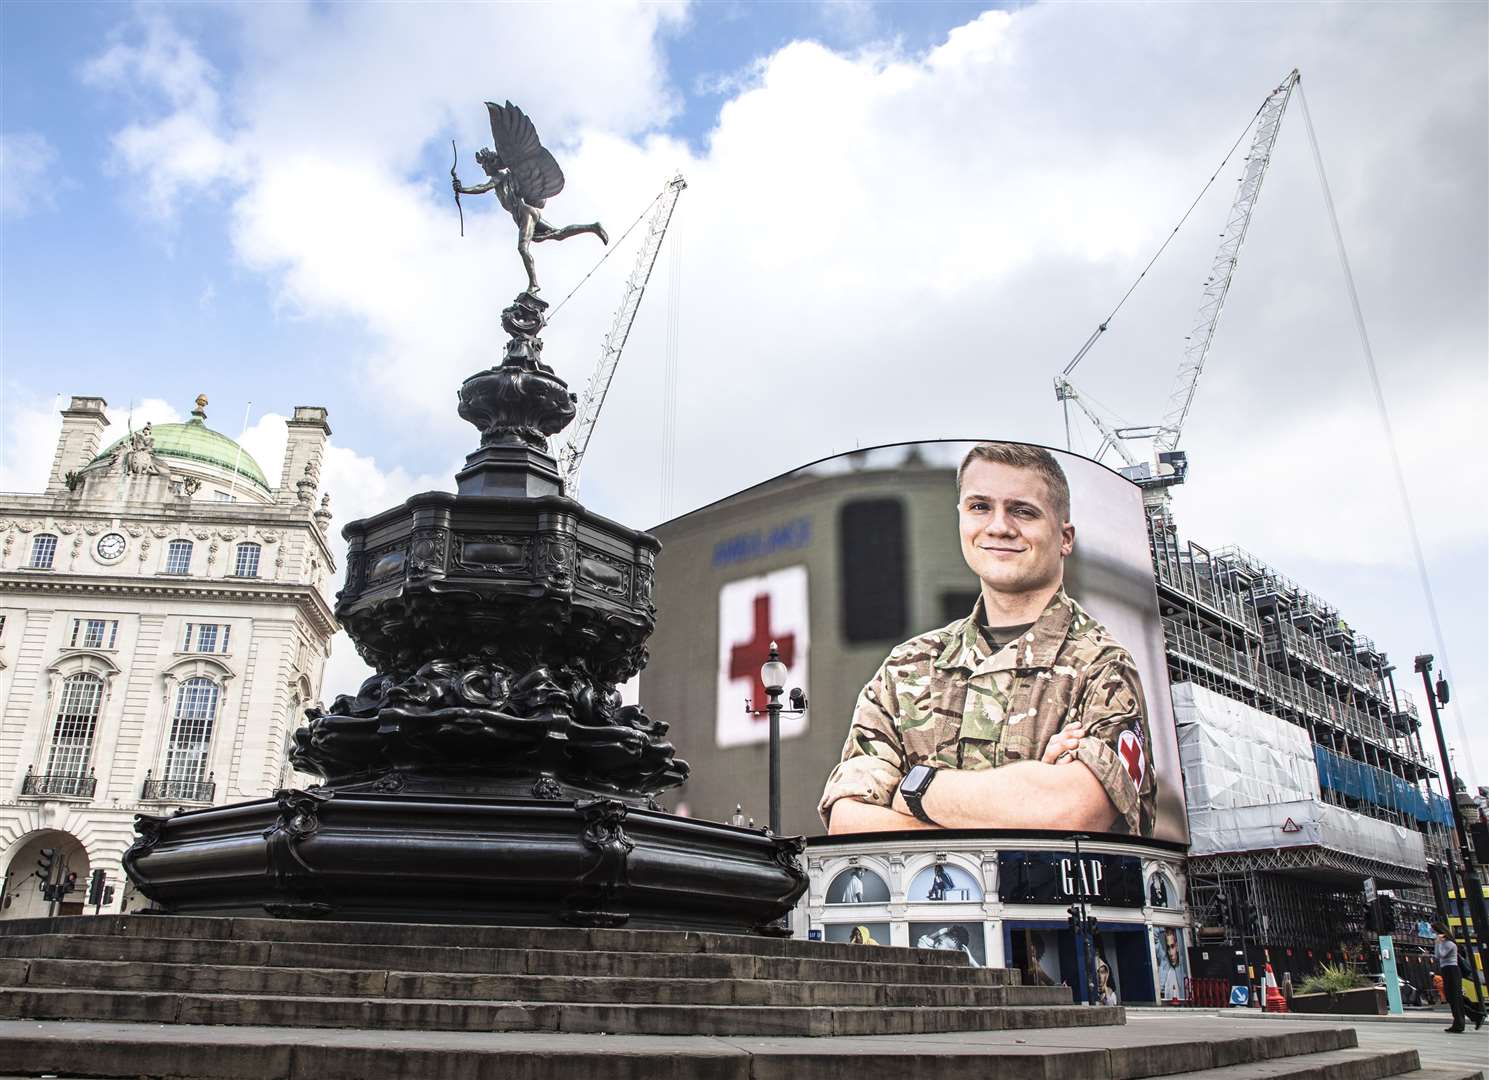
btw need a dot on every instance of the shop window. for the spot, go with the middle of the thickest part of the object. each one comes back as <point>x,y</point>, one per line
<point>944,882</point>
<point>857,885</point>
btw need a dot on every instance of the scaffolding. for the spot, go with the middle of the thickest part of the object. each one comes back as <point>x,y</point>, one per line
<point>1238,627</point>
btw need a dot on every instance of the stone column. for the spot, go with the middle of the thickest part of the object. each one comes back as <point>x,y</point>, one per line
<point>83,422</point>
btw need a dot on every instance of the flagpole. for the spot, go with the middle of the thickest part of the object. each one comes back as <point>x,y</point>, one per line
<point>232,489</point>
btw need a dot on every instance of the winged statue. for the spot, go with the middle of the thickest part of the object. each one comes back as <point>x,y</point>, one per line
<point>524,176</point>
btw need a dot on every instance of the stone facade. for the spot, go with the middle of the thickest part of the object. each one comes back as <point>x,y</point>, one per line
<point>164,627</point>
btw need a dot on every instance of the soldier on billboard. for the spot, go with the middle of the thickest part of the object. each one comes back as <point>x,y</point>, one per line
<point>1024,715</point>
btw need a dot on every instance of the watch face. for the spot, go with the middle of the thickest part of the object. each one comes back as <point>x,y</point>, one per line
<point>110,546</point>
<point>916,779</point>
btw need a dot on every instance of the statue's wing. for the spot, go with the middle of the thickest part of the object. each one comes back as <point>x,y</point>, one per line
<point>534,169</point>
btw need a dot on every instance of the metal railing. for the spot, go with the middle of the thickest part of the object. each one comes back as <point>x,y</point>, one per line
<point>178,790</point>
<point>41,785</point>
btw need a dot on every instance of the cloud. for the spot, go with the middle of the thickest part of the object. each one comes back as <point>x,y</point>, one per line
<point>26,183</point>
<point>182,151</point>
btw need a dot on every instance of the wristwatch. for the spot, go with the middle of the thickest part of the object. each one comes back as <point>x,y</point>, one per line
<point>913,789</point>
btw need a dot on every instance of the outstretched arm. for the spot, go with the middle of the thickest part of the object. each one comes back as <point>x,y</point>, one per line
<point>479,189</point>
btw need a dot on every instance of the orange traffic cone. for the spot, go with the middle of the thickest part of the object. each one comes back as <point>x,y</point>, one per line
<point>1275,1002</point>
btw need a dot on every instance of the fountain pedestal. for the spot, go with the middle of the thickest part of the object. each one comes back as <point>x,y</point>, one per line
<point>489,772</point>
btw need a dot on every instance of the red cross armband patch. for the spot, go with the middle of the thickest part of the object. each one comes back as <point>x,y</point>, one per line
<point>1130,750</point>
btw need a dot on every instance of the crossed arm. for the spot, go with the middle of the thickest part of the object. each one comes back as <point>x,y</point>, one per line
<point>1056,792</point>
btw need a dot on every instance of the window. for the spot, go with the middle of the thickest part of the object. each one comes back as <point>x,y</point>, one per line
<point>72,731</point>
<point>43,551</point>
<point>247,564</point>
<point>206,637</point>
<point>191,731</point>
<point>223,496</point>
<point>178,557</point>
<point>94,633</point>
<point>858,885</point>
<point>872,551</point>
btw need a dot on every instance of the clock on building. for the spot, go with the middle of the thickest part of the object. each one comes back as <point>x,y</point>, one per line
<point>111,546</point>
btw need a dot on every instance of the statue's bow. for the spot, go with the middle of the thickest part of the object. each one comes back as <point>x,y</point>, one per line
<point>457,185</point>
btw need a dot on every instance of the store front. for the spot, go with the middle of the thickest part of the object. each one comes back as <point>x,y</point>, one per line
<point>1004,902</point>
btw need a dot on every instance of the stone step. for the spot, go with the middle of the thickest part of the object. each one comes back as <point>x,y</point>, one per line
<point>1179,1046</point>
<point>312,954</point>
<point>1329,1065</point>
<point>48,973</point>
<point>328,932</point>
<point>390,1014</point>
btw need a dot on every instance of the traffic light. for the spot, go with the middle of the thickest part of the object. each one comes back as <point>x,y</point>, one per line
<point>1074,921</point>
<point>69,883</point>
<point>108,895</point>
<point>46,859</point>
<point>95,887</point>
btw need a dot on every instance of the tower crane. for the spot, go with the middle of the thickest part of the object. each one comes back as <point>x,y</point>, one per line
<point>572,455</point>
<point>1169,464</point>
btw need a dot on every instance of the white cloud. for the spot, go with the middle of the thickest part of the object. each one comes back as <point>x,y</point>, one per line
<point>183,150</point>
<point>27,179</point>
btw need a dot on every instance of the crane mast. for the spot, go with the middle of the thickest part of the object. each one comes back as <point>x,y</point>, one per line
<point>1223,268</point>
<point>1169,464</point>
<point>572,455</point>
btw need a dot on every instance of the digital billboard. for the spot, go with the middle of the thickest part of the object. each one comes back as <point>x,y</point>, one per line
<point>1045,704</point>
<point>855,566</point>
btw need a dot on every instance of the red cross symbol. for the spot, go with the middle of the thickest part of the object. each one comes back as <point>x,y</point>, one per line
<point>745,659</point>
<point>1131,753</point>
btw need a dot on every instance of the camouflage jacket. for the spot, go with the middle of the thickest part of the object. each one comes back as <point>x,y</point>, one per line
<point>950,699</point>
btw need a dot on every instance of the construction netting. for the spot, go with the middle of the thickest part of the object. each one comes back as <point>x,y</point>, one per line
<point>1252,783</point>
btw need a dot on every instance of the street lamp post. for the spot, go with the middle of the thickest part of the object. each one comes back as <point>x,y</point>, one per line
<point>1082,925</point>
<point>1473,888</point>
<point>773,677</point>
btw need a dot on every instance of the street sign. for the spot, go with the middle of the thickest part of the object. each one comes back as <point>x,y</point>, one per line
<point>1240,995</point>
<point>1370,890</point>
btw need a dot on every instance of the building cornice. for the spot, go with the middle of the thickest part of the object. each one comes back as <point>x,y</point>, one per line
<point>307,600</point>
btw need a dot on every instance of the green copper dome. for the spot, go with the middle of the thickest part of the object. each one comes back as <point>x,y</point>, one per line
<point>195,441</point>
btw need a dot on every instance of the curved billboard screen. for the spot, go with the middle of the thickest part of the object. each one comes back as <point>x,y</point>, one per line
<point>975,628</point>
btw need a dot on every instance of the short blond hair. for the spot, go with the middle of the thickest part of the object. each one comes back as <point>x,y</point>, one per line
<point>1022,456</point>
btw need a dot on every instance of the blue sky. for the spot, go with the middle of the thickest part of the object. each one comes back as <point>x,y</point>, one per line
<point>888,204</point>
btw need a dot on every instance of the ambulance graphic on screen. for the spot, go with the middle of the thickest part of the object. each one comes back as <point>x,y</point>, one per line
<point>753,612</point>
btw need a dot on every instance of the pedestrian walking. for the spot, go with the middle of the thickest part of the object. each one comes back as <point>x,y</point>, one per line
<point>1445,953</point>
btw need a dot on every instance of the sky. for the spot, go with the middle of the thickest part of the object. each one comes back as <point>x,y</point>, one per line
<point>901,221</point>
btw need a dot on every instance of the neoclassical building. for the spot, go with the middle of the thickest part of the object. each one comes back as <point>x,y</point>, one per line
<point>162,628</point>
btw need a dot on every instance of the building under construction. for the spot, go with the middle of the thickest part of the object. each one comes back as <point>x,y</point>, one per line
<point>1280,854</point>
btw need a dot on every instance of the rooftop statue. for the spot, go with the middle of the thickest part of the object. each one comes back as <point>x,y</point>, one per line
<point>524,176</point>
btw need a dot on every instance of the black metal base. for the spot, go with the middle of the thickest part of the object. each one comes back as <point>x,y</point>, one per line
<point>429,858</point>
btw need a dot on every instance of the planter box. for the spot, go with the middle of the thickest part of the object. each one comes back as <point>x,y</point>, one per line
<point>1366,1001</point>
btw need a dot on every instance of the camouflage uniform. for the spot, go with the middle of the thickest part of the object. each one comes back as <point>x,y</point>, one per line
<point>950,699</point>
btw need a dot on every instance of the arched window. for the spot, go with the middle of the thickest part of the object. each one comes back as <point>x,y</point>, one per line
<point>858,885</point>
<point>43,551</point>
<point>75,723</point>
<point>943,881</point>
<point>178,557</point>
<point>247,563</point>
<point>192,722</point>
